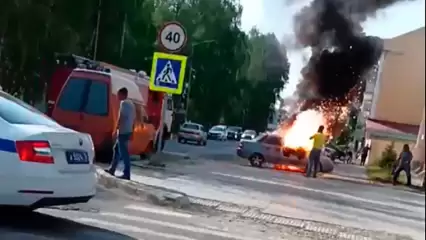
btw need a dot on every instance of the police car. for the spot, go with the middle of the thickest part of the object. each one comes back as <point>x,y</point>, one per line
<point>41,163</point>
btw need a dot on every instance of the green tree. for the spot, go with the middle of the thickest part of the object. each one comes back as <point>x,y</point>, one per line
<point>389,157</point>
<point>236,76</point>
<point>267,74</point>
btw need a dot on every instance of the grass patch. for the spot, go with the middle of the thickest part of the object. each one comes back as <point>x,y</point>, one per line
<point>378,174</point>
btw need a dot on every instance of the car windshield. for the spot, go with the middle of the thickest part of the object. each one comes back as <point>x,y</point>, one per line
<point>16,111</point>
<point>191,126</point>
<point>249,132</point>
<point>218,128</point>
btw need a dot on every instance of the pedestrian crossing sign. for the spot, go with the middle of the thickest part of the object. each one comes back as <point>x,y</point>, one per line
<point>167,73</point>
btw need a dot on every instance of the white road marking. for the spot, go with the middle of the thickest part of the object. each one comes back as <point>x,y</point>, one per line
<point>342,195</point>
<point>175,225</point>
<point>158,211</point>
<point>123,227</point>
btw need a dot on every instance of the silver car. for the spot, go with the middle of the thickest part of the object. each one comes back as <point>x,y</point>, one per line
<point>192,132</point>
<point>248,134</point>
<point>270,149</point>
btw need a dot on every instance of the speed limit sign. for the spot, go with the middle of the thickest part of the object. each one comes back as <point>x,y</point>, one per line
<point>172,36</point>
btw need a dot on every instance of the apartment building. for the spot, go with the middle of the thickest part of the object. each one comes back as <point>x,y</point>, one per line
<point>393,102</point>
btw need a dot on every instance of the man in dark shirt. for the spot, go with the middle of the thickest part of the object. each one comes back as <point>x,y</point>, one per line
<point>364,154</point>
<point>404,164</point>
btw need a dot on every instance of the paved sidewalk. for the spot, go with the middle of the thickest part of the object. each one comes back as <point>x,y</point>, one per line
<point>357,174</point>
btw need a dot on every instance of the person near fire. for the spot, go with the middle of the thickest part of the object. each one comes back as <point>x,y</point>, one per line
<point>319,139</point>
<point>403,164</point>
<point>364,154</point>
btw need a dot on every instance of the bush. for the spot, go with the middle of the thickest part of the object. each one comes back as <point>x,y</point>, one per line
<point>389,157</point>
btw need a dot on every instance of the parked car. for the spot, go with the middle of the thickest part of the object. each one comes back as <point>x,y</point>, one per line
<point>248,134</point>
<point>192,132</point>
<point>217,132</point>
<point>42,163</point>
<point>234,133</point>
<point>270,148</point>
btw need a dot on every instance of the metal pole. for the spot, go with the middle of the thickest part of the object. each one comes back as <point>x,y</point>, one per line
<point>161,126</point>
<point>95,52</point>
<point>123,33</point>
<point>190,75</point>
<point>188,92</point>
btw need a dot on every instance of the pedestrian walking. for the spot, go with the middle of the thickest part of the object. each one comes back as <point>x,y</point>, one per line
<point>315,154</point>
<point>126,119</point>
<point>364,154</point>
<point>403,164</point>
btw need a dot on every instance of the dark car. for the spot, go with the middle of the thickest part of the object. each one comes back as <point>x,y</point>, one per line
<point>234,133</point>
<point>270,149</point>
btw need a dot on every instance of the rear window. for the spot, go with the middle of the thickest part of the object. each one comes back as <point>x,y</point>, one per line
<point>191,126</point>
<point>97,100</point>
<point>15,111</point>
<point>83,95</point>
<point>71,98</point>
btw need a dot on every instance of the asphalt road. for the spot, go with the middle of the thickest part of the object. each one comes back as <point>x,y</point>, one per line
<point>217,150</point>
<point>110,216</point>
<point>291,194</point>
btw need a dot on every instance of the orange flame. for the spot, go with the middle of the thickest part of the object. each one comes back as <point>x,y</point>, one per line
<point>298,133</point>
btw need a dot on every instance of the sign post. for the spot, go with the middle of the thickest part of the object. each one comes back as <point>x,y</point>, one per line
<point>168,69</point>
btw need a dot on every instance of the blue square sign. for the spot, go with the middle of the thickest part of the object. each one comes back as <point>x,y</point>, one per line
<point>168,73</point>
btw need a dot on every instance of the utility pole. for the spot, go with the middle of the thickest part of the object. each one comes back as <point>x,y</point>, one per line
<point>123,34</point>
<point>98,21</point>
<point>191,76</point>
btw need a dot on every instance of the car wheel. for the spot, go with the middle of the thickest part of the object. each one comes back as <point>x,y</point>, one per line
<point>256,160</point>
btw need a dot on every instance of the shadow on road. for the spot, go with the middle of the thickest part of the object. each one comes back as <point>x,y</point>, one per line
<point>37,226</point>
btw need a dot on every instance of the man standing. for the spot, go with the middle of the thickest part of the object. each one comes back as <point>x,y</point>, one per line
<point>126,120</point>
<point>364,154</point>
<point>315,154</point>
<point>403,164</point>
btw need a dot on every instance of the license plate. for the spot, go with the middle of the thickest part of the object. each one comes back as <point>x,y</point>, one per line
<point>77,157</point>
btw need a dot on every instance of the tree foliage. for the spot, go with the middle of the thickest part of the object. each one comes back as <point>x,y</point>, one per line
<point>237,76</point>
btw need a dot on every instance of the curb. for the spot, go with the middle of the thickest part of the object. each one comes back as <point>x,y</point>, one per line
<point>352,180</point>
<point>415,189</point>
<point>156,195</point>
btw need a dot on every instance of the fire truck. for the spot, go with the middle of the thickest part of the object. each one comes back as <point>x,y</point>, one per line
<point>66,64</point>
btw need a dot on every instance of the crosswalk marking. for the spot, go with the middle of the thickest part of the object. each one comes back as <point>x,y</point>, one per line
<point>158,211</point>
<point>189,228</point>
<point>124,227</point>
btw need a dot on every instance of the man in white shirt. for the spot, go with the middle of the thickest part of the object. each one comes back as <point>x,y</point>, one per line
<point>126,119</point>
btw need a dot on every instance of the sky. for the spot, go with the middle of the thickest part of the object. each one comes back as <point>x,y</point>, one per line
<point>275,16</point>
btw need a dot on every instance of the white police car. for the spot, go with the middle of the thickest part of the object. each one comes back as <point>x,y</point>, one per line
<point>42,163</point>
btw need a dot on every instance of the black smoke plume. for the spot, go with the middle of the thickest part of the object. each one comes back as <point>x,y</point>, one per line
<point>341,53</point>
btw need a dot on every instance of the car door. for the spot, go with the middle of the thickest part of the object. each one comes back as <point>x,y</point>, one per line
<point>272,149</point>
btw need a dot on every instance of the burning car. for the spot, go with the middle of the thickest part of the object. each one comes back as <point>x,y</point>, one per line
<point>271,149</point>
